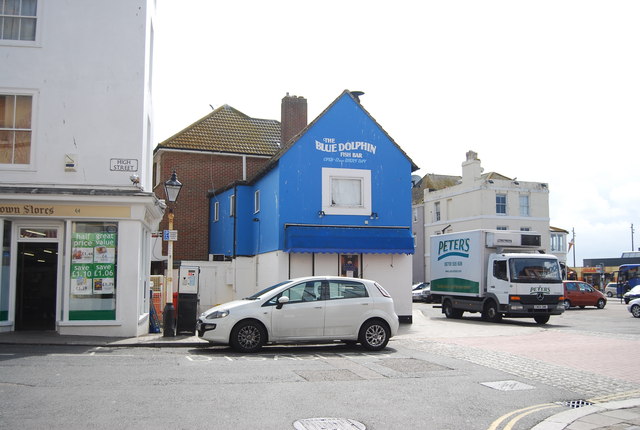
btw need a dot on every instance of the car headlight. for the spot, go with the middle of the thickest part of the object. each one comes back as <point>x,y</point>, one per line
<point>217,314</point>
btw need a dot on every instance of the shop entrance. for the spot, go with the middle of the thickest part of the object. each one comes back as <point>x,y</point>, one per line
<point>36,285</point>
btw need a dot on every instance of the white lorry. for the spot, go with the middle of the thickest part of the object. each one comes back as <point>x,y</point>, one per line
<point>495,272</point>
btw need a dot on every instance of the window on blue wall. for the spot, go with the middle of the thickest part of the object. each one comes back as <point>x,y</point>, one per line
<point>216,211</point>
<point>232,205</point>
<point>256,202</point>
<point>346,191</point>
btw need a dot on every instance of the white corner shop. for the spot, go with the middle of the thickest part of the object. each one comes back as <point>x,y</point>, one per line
<point>77,264</point>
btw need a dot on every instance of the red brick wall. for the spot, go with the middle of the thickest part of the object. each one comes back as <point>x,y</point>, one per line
<point>198,174</point>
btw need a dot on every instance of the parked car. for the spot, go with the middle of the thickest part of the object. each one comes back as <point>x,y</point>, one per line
<point>416,291</point>
<point>634,307</point>
<point>611,290</point>
<point>632,294</point>
<point>426,294</point>
<point>577,293</point>
<point>318,309</point>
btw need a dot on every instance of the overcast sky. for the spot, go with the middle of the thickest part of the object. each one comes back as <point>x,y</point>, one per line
<point>545,91</point>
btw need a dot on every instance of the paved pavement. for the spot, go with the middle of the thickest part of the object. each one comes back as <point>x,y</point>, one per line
<point>613,415</point>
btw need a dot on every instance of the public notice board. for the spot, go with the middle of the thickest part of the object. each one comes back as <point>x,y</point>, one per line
<point>93,263</point>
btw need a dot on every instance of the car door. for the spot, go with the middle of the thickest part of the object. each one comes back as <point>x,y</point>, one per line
<point>588,295</point>
<point>302,317</point>
<point>572,293</point>
<point>347,306</point>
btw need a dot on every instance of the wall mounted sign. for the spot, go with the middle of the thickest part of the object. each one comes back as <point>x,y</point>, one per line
<point>345,152</point>
<point>39,209</point>
<point>124,165</point>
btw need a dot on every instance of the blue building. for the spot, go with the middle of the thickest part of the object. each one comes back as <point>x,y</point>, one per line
<point>335,200</point>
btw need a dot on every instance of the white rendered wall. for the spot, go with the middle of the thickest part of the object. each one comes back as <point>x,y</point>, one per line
<point>393,272</point>
<point>89,77</point>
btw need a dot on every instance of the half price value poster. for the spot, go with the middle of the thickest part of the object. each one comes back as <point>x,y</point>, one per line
<point>93,263</point>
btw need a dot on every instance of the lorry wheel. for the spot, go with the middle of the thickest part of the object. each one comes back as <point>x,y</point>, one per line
<point>541,319</point>
<point>491,313</point>
<point>450,312</point>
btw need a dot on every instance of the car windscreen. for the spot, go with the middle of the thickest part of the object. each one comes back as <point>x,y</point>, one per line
<point>534,270</point>
<point>257,295</point>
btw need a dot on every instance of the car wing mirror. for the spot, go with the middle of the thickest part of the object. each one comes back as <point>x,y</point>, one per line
<point>281,301</point>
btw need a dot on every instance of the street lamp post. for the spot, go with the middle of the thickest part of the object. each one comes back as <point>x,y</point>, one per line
<point>172,188</point>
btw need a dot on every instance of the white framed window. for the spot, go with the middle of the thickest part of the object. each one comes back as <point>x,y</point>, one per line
<point>256,202</point>
<point>525,228</point>
<point>502,227</point>
<point>232,205</point>
<point>436,211</point>
<point>16,111</point>
<point>216,211</point>
<point>524,205</point>
<point>346,191</point>
<point>18,20</point>
<point>501,204</point>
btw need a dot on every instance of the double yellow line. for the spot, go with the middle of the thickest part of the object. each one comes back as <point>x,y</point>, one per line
<point>520,413</point>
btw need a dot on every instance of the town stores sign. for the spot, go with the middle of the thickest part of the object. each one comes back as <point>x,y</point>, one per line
<point>20,209</point>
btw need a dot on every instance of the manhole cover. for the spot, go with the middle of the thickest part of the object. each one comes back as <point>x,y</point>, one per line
<point>329,375</point>
<point>507,385</point>
<point>328,424</point>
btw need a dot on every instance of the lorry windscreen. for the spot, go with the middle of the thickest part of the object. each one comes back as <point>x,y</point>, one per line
<point>534,270</point>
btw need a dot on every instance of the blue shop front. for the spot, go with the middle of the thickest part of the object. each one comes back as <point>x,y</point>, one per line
<point>335,200</point>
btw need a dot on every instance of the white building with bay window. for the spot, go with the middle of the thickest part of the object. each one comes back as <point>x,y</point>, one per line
<point>76,208</point>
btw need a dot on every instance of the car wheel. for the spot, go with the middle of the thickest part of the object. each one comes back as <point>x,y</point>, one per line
<point>600,304</point>
<point>248,336</point>
<point>626,301</point>
<point>609,294</point>
<point>490,312</point>
<point>374,335</point>
<point>635,311</point>
<point>541,319</point>
<point>450,312</point>
<point>567,304</point>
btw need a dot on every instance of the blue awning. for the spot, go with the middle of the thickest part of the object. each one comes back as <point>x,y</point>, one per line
<point>356,240</point>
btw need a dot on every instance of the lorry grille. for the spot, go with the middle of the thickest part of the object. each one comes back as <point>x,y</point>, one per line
<point>534,299</point>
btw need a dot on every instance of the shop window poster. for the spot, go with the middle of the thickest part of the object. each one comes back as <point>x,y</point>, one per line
<point>350,265</point>
<point>93,263</point>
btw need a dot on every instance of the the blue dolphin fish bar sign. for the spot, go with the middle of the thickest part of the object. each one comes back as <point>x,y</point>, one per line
<point>345,152</point>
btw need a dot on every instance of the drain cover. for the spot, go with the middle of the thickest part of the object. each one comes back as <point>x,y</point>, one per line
<point>328,424</point>
<point>574,404</point>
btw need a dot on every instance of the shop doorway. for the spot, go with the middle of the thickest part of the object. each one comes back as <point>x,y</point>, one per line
<point>36,285</point>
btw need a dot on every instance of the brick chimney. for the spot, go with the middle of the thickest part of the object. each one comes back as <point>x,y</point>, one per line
<point>293,117</point>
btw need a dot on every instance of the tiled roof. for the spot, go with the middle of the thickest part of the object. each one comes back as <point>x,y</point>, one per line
<point>431,181</point>
<point>228,130</point>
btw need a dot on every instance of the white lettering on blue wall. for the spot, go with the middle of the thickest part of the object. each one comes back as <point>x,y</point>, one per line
<point>351,148</point>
